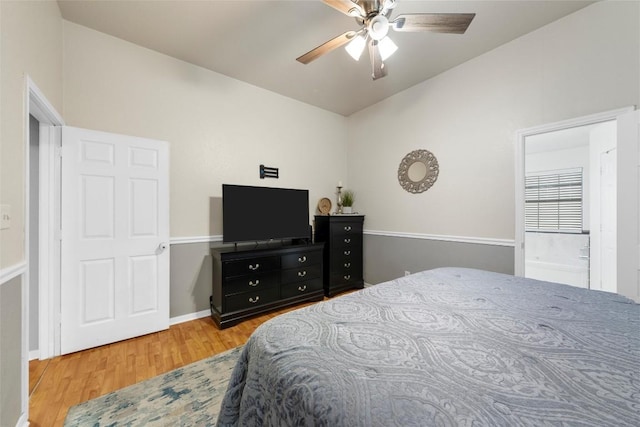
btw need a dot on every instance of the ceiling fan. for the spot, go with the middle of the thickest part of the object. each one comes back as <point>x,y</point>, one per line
<point>373,16</point>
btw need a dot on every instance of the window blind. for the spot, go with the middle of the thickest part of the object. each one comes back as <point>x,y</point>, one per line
<point>553,202</point>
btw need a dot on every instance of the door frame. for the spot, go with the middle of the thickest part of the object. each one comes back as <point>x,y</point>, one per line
<point>596,209</point>
<point>37,105</point>
<point>521,136</point>
<point>628,258</point>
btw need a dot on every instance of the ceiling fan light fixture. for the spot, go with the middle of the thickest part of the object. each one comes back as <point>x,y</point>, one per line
<point>387,47</point>
<point>374,19</point>
<point>388,5</point>
<point>356,47</point>
<point>378,27</point>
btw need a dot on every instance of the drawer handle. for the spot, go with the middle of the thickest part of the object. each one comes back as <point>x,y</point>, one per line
<point>302,273</point>
<point>302,259</point>
<point>302,288</point>
<point>253,301</point>
<point>347,264</point>
<point>347,253</point>
<point>254,267</point>
<point>347,277</point>
<point>347,240</point>
<point>256,283</point>
<point>347,228</point>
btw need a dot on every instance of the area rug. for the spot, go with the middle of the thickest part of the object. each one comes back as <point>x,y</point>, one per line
<point>188,396</point>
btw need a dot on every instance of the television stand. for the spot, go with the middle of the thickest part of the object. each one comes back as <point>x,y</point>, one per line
<point>254,280</point>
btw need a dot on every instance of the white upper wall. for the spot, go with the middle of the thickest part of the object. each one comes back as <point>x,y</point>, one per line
<point>31,45</point>
<point>220,129</point>
<point>584,63</point>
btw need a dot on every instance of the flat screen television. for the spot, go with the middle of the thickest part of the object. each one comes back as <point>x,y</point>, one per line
<point>263,213</point>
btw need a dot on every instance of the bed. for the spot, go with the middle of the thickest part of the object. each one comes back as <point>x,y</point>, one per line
<point>445,347</point>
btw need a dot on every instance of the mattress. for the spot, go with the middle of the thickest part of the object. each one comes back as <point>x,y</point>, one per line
<point>445,347</point>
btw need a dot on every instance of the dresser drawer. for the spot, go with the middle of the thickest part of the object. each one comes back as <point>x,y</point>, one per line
<point>346,254</point>
<point>301,259</point>
<point>301,274</point>
<point>249,300</point>
<point>346,228</point>
<point>346,241</point>
<point>338,278</point>
<point>250,283</point>
<point>252,265</point>
<point>347,265</point>
<point>296,289</point>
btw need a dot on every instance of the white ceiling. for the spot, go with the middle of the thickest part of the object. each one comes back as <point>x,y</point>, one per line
<point>257,41</point>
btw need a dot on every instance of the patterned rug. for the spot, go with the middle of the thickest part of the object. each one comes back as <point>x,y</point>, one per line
<point>188,396</point>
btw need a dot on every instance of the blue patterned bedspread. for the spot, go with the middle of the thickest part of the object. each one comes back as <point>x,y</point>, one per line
<point>445,347</point>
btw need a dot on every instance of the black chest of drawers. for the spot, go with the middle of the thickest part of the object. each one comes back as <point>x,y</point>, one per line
<point>343,262</point>
<point>247,282</point>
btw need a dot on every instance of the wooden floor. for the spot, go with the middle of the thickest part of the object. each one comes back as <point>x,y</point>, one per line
<point>59,383</point>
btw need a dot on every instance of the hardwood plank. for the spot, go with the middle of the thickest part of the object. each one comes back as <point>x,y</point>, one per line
<point>36,370</point>
<point>59,383</point>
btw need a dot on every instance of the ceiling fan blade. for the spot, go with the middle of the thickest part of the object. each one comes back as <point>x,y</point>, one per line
<point>455,23</point>
<point>327,47</point>
<point>347,7</point>
<point>379,69</point>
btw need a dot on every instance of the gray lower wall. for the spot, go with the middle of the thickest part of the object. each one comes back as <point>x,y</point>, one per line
<point>191,277</point>
<point>387,258</point>
<point>10,351</point>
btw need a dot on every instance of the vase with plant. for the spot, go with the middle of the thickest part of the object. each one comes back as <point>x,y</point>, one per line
<point>348,196</point>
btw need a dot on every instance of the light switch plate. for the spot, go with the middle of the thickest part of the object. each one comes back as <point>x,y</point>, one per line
<point>5,217</point>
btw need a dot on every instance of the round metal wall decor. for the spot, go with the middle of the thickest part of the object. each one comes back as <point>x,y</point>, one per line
<point>418,171</point>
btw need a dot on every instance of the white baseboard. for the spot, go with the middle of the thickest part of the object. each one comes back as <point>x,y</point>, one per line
<point>189,317</point>
<point>23,421</point>
<point>34,354</point>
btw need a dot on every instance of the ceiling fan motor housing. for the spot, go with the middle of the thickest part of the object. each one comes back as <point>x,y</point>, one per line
<point>370,6</point>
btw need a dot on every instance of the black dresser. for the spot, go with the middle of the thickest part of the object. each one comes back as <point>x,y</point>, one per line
<point>247,282</point>
<point>342,236</point>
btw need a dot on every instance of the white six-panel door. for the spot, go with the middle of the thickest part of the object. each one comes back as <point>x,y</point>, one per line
<point>115,238</point>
